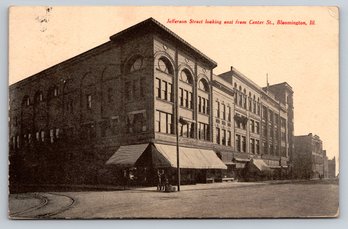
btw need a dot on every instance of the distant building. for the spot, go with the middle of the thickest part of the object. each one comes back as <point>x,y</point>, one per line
<point>309,157</point>
<point>116,106</point>
<point>332,168</point>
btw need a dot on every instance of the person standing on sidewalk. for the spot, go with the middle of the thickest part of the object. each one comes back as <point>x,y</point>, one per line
<point>160,174</point>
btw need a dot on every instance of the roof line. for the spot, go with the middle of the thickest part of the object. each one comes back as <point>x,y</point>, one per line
<point>168,31</point>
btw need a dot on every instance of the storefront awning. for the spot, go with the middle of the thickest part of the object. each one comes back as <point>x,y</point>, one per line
<point>127,155</point>
<point>260,164</point>
<point>190,158</point>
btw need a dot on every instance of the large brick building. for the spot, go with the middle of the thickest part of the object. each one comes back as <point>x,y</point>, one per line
<point>121,104</point>
<point>310,160</point>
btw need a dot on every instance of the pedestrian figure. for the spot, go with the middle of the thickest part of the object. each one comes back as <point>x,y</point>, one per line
<point>160,174</point>
<point>125,179</point>
<point>167,186</point>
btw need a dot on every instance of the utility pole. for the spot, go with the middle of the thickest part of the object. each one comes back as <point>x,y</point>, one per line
<point>176,103</point>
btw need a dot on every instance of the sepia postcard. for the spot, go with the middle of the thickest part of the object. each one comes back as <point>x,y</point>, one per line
<point>173,112</point>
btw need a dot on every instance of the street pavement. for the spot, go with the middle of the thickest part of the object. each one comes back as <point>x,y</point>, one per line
<point>218,200</point>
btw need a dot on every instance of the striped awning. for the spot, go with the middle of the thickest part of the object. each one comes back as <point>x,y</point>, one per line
<point>190,158</point>
<point>127,155</point>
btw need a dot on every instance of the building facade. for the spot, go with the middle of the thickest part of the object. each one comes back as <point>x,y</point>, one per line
<point>127,102</point>
<point>310,160</point>
<point>332,168</point>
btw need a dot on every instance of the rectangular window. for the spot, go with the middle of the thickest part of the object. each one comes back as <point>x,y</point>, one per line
<point>264,113</point>
<point>170,92</point>
<point>217,109</point>
<point>89,101</point>
<point>158,121</point>
<point>254,107</point>
<point>265,147</point>
<point>181,96</point>
<point>203,131</point>
<point>184,130</point>
<point>207,106</point>
<point>37,136</point>
<point>128,90</point>
<point>257,146</point>
<point>199,104</point>
<point>164,122</point>
<point>204,106</point>
<point>229,138</point>
<point>264,129</point>
<point>169,129</point>
<point>223,111</point>
<point>163,117</point>
<point>258,109</point>
<point>186,102</point>
<point>229,113</point>
<point>142,86</point>
<point>252,126</point>
<point>164,90</point>
<point>243,144</point>
<point>217,135</point>
<point>257,127</point>
<point>238,143</point>
<point>191,100</point>
<point>252,146</point>
<point>224,137</point>
<point>240,100</point>
<point>158,88</point>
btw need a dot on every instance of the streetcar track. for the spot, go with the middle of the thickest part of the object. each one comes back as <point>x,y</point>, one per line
<point>44,202</point>
<point>60,210</point>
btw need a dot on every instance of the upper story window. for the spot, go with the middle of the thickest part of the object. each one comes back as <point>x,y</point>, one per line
<point>203,85</point>
<point>186,76</point>
<point>165,66</point>
<point>53,92</point>
<point>134,64</point>
<point>38,97</point>
<point>26,101</point>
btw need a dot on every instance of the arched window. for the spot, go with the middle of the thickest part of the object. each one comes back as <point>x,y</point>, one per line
<point>53,92</point>
<point>26,101</point>
<point>186,76</point>
<point>203,85</point>
<point>38,97</point>
<point>165,66</point>
<point>134,64</point>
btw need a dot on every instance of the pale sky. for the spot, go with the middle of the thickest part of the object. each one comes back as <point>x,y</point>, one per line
<point>304,56</point>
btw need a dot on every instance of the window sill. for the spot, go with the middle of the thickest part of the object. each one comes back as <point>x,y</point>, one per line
<point>163,100</point>
<point>186,108</point>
